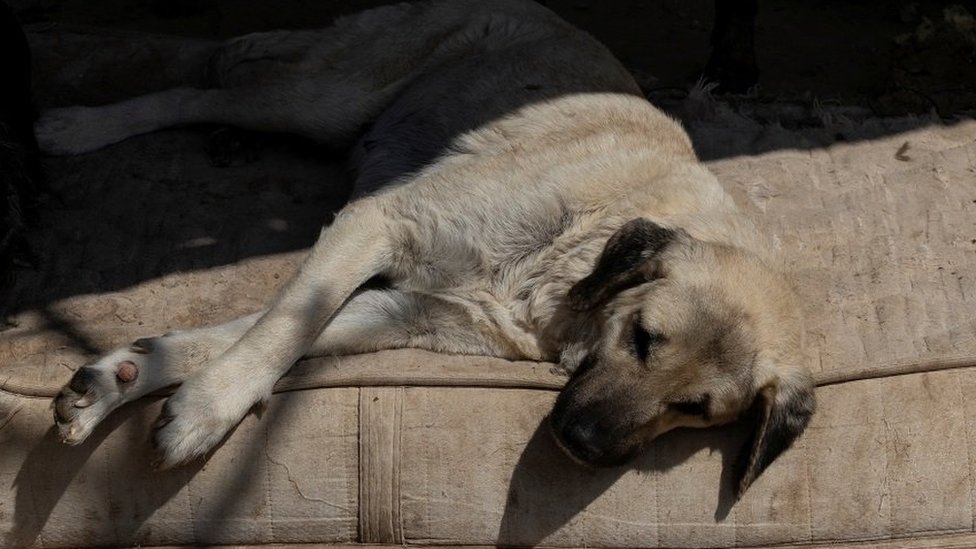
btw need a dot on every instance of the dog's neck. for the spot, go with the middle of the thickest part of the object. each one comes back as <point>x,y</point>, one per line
<point>542,307</point>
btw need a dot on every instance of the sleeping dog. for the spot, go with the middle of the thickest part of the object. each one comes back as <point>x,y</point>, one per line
<point>515,196</point>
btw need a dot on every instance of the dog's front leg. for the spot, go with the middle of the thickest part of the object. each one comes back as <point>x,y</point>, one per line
<point>211,402</point>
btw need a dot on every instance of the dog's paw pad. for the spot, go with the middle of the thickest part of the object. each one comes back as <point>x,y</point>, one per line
<point>126,371</point>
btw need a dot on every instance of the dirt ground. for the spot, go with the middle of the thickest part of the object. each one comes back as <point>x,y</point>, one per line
<point>893,57</point>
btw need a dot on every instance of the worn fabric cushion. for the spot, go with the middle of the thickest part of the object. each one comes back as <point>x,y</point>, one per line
<point>413,447</point>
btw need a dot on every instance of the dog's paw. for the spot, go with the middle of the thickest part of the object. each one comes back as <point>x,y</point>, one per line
<point>97,389</point>
<point>193,422</point>
<point>74,130</point>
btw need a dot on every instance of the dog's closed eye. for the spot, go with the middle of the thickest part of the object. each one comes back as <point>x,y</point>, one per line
<point>644,341</point>
<point>696,407</point>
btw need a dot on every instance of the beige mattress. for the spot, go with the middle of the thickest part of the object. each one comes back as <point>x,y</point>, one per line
<point>409,447</point>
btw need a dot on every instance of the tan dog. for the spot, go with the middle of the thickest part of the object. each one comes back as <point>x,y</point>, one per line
<point>517,197</point>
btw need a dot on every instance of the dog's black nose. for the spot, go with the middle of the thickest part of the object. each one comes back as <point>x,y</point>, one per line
<point>582,439</point>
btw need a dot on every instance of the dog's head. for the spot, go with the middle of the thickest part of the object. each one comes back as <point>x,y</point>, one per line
<point>691,334</point>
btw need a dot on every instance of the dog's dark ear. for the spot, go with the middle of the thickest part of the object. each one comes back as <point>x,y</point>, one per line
<point>626,261</point>
<point>781,411</point>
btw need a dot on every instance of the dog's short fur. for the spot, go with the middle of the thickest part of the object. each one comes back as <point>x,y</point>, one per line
<point>519,198</point>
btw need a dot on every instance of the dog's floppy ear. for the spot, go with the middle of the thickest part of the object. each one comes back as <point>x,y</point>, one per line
<point>624,262</point>
<point>781,411</point>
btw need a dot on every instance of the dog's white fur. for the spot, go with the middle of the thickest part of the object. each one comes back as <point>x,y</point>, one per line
<point>504,148</point>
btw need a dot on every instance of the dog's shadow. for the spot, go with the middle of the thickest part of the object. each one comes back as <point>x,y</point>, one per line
<point>103,490</point>
<point>50,468</point>
<point>548,490</point>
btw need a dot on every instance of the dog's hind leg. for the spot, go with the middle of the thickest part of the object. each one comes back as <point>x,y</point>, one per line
<point>300,108</point>
<point>326,84</point>
<point>356,41</point>
<point>328,93</point>
<point>330,108</point>
<point>260,57</point>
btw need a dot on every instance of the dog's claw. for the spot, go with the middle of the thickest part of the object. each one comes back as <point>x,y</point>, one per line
<point>157,464</point>
<point>87,400</point>
<point>165,417</point>
<point>142,346</point>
